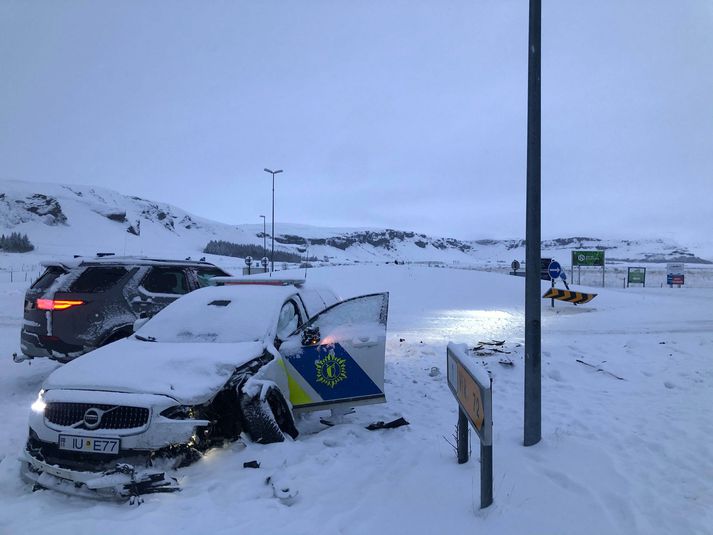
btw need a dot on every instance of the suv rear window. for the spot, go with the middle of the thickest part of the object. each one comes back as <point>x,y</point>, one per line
<point>166,280</point>
<point>97,279</point>
<point>48,277</point>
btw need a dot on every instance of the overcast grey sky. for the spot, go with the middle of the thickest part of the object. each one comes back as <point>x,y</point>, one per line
<point>401,114</point>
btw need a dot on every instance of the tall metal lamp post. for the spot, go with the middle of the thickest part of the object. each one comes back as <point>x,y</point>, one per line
<point>264,237</point>
<point>272,257</point>
<point>533,328</point>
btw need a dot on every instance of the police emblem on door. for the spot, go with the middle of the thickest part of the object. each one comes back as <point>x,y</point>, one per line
<point>331,370</point>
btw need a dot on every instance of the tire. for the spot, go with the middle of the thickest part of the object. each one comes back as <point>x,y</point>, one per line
<point>267,421</point>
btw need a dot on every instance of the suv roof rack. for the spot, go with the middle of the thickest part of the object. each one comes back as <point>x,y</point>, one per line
<point>113,259</point>
<point>240,281</point>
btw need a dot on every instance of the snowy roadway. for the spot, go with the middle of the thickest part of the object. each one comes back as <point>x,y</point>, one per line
<point>630,455</point>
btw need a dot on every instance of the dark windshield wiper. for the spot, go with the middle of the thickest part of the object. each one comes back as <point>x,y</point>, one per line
<point>147,339</point>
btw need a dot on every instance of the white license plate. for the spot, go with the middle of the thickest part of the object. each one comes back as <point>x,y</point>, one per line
<point>89,444</point>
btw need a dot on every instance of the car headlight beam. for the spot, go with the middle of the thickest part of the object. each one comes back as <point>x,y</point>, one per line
<point>39,404</point>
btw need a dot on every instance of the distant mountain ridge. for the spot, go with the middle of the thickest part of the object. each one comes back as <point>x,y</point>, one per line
<point>63,219</point>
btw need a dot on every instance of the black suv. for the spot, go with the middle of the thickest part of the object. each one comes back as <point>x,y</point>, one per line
<point>83,304</point>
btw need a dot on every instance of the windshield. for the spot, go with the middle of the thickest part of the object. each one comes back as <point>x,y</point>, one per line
<point>217,314</point>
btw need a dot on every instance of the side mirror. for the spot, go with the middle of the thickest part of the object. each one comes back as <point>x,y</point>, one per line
<point>310,336</point>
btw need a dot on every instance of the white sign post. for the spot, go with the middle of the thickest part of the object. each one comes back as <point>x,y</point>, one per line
<point>475,405</point>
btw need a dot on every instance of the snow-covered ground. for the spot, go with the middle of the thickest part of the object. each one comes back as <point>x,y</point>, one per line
<point>629,455</point>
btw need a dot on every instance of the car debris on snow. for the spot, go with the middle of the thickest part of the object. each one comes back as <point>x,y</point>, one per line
<point>393,424</point>
<point>600,369</point>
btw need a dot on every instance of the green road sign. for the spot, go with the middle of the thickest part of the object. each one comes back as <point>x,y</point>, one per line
<point>636,275</point>
<point>588,258</point>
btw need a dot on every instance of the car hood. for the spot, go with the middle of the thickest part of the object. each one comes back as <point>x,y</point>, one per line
<point>190,373</point>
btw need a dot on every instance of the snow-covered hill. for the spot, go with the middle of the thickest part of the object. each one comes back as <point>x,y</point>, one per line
<point>62,220</point>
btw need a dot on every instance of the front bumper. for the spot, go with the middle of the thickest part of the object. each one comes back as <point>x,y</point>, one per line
<point>121,482</point>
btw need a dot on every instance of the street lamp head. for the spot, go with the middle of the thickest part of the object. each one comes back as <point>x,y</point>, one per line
<point>273,172</point>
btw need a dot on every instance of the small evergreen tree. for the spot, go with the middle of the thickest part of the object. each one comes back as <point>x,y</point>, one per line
<point>16,243</point>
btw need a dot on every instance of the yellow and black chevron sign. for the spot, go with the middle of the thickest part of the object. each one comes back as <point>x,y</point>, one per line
<point>569,296</point>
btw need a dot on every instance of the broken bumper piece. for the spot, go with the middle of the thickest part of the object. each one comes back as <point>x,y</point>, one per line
<point>20,357</point>
<point>123,482</point>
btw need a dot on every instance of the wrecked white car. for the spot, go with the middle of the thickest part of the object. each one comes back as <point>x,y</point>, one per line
<point>219,362</point>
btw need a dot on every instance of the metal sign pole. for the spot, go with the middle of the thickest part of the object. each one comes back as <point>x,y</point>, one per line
<point>533,381</point>
<point>486,463</point>
<point>486,475</point>
<point>604,261</point>
<point>462,437</point>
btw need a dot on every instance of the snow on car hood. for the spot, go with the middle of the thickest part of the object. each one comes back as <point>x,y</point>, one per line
<point>189,373</point>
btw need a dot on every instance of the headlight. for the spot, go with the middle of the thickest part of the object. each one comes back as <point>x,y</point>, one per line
<point>179,412</point>
<point>39,404</point>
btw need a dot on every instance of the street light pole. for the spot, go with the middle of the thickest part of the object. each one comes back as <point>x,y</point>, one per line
<point>272,259</point>
<point>264,237</point>
<point>533,327</point>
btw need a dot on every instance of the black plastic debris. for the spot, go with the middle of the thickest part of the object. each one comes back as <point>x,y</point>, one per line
<point>388,425</point>
<point>251,464</point>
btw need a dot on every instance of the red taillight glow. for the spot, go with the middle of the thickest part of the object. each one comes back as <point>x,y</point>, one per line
<point>51,304</point>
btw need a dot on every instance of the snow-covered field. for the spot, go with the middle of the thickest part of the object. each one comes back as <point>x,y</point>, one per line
<point>629,455</point>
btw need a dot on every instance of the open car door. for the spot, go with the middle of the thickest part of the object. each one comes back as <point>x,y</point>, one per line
<point>337,358</point>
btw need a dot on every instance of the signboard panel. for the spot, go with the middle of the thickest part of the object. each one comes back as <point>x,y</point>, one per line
<point>578,298</point>
<point>473,389</point>
<point>675,279</point>
<point>675,268</point>
<point>472,395</point>
<point>588,258</point>
<point>636,275</point>
<point>554,270</point>
<point>675,273</point>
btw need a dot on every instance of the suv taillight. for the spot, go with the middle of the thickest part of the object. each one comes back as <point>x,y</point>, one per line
<point>60,304</point>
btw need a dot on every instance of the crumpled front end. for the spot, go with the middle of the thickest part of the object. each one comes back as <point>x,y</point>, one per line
<point>121,482</point>
<point>107,444</point>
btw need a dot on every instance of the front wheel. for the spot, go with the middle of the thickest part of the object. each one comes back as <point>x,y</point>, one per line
<point>267,421</point>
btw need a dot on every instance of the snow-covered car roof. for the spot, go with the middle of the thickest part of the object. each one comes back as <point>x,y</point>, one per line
<point>222,314</point>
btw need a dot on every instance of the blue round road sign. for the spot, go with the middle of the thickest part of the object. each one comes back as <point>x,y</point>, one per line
<point>554,269</point>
